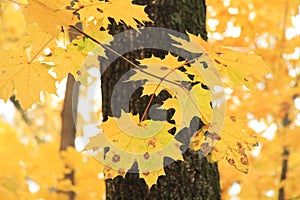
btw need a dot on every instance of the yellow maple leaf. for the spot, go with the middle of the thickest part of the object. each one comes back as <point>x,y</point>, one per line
<point>67,61</point>
<point>121,11</point>
<point>49,15</point>
<point>21,72</point>
<point>232,143</point>
<point>237,66</point>
<point>153,86</point>
<point>169,61</point>
<point>125,140</point>
<point>187,84</point>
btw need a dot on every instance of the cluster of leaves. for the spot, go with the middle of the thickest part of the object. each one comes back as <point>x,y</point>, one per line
<point>32,166</point>
<point>55,43</point>
<point>269,29</point>
<point>44,42</point>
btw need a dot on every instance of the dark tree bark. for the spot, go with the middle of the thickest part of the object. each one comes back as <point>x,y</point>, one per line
<point>194,178</point>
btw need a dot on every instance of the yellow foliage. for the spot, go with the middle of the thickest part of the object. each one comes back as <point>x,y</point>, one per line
<point>115,9</point>
<point>266,30</point>
<point>264,41</point>
<point>49,15</point>
<point>12,25</point>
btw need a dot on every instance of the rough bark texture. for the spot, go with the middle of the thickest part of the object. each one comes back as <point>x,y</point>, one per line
<point>68,123</point>
<point>194,178</point>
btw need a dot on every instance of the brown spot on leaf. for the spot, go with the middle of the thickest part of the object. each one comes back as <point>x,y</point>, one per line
<point>215,149</point>
<point>196,143</point>
<point>121,171</point>
<point>146,172</point>
<point>160,153</point>
<point>244,160</point>
<point>164,68</point>
<point>146,156</point>
<point>231,161</point>
<point>152,143</point>
<point>107,168</point>
<point>95,149</point>
<point>232,118</point>
<point>239,145</point>
<point>78,72</point>
<point>116,158</point>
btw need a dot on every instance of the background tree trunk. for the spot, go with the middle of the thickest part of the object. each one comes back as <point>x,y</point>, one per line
<point>68,129</point>
<point>194,178</point>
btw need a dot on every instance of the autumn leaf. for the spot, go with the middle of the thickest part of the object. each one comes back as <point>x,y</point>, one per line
<point>165,74</point>
<point>164,68</point>
<point>125,140</point>
<point>238,67</point>
<point>236,138</point>
<point>23,73</point>
<point>66,61</point>
<point>49,15</point>
<point>115,9</point>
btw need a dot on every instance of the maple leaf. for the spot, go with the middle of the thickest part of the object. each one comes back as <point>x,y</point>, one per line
<point>232,143</point>
<point>237,66</point>
<point>49,15</point>
<point>165,75</point>
<point>191,96</point>
<point>164,69</point>
<point>125,140</point>
<point>23,73</point>
<point>113,9</point>
<point>66,61</point>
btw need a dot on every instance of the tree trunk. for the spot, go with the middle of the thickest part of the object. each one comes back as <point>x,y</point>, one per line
<point>68,129</point>
<point>194,178</point>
